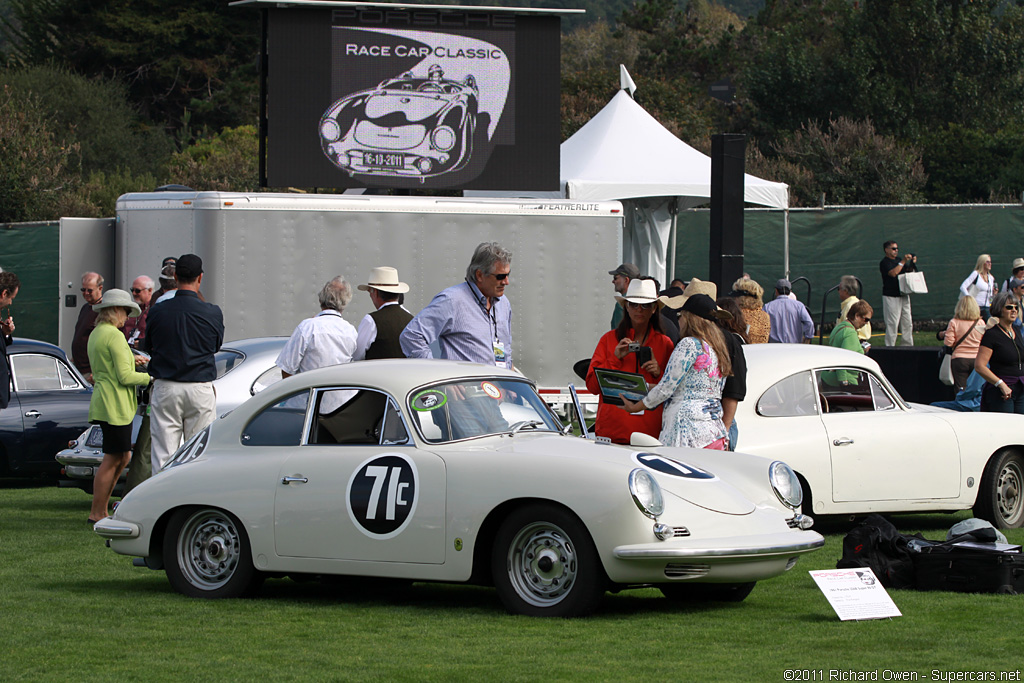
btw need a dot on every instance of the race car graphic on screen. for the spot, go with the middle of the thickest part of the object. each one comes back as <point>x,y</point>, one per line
<point>411,126</point>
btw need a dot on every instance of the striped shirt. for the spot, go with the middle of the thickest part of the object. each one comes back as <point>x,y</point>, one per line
<point>459,321</point>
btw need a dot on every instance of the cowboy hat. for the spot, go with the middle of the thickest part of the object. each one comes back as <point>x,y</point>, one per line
<point>385,278</point>
<point>640,292</point>
<point>695,286</point>
<point>118,298</point>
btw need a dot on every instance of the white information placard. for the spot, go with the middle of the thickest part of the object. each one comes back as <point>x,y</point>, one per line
<point>855,594</point>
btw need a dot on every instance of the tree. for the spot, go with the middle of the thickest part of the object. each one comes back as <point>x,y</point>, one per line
<point>227,162</point>
<point>848,162</point>
<point>37,174</point>
<point>187,56</point>
<point>95,115</point>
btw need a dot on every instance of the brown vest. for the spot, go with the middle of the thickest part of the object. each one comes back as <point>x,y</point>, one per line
<point>390,321</point>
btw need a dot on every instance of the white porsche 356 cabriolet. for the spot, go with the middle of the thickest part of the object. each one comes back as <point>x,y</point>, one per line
<point>858,447</point>
<point>441,471</point>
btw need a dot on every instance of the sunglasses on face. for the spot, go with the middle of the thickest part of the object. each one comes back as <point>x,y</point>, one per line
<point>633,304</point>
<point>500,276</point>
<point>867,320</point>
<point>86,290</point>
<point>1010,307</point>
<point>136,290</point>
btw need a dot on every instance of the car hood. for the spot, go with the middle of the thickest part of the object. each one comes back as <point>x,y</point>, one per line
<point>682,472</point>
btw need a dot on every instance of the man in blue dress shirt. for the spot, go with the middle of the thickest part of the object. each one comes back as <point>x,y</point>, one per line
<point>472,320</point>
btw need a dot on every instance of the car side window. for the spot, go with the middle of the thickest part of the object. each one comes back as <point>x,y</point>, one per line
<point>881,399</point>
<point>792,396</point>
<point>848,390</point>
<point>268,378</point>
<point>279,424</point>
<point>356,417</point>
<point>35,372</point>
<point>226,360</point>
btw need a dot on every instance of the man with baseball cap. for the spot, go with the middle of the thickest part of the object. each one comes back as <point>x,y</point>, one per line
<point>182,336</point>
<point>620,281</point>
<point>379,331</point>
<point>790,321</point>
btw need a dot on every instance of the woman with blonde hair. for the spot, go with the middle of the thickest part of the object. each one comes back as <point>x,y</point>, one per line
<point>980,284</point>
<point>692,381</point>
<point>748,295</point>
<point>113,403</point>
<point>963,336</point>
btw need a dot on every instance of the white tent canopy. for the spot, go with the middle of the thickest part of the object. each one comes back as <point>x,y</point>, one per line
<point>623,153</point>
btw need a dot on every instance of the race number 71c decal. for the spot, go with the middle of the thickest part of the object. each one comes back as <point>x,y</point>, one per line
<point>382,495</point>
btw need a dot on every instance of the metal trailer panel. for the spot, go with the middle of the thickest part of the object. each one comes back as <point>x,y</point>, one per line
<point>267,256</point>
<point>86,244</point>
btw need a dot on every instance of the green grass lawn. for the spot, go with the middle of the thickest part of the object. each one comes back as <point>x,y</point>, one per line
<point>73,610</point>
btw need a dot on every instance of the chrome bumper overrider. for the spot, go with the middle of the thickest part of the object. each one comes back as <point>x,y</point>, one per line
<point>726,549</point>
<point>112,528</point>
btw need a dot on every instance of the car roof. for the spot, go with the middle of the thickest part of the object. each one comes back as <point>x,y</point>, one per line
<point>768,363</point>
<point>395,375</point>
<point>255,344</point>
<point>22,345</point>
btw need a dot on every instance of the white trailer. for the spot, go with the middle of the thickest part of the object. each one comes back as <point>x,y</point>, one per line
<point>266,256</point>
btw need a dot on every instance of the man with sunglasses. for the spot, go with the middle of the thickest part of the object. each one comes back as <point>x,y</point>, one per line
<point>135,328</point>
<point>92,293</point>
<point>472,320</point>
<point>895,305</point>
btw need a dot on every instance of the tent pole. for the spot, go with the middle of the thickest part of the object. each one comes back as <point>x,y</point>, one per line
<point>785,242</point>
<point>671,274</point>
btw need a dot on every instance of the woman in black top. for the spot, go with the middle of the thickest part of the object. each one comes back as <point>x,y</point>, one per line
<point>1000,359</point>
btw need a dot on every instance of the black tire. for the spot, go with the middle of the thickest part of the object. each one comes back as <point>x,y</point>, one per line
<point>544,564</point>
<point>707,592</point>
<point>207,555</point>
<point>1001,495</point>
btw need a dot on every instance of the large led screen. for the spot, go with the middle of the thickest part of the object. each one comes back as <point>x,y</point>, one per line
<point>412,98</point>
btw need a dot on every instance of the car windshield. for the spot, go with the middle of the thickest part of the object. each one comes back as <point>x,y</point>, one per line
<point>470,408</point>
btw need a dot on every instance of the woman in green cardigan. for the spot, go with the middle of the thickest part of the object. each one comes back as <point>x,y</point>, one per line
<point>844,336</point>
<point>113,402</point>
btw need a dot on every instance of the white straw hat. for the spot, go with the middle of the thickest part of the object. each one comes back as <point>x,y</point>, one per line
<point>118,298</point>
<point>641,292</point>
<point>385,278</point>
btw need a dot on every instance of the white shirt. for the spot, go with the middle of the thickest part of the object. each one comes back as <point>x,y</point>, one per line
<point>368,332</point>
<point>323,340</point>
<point>985,289</point>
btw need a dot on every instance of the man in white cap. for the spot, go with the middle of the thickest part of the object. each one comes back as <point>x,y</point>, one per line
<point>379,331</point>
<point>1018,274</point>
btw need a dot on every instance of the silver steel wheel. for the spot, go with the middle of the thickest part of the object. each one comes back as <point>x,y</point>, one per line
<point>1009,487</point>
<point>542,564</point>
<point>208,549</point>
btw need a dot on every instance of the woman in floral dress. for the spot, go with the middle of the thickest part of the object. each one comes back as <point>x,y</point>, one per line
<point>692,381</point>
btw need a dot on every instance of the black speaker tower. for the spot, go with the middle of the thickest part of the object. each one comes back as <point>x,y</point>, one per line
<point>726,249</point>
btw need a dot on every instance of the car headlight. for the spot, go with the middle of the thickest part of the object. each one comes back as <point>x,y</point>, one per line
<point>443,138</point>
<point>330,131</point>
<point>646,493</point>
<point>786,484</point>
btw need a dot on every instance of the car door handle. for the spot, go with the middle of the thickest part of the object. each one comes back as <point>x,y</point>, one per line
<point>33,413</point>
<point>845,441</point>
<point>293,480</point>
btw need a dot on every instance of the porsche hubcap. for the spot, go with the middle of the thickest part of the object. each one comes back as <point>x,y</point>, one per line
<point>542,564</point>
<point>1008,493</point>
<point>208,549</point>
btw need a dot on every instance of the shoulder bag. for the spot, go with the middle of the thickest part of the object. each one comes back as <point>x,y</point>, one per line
<point>946,366</point>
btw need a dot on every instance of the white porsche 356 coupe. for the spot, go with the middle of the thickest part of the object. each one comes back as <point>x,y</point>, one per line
<point>858,447</point>
<point>456,472</point>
